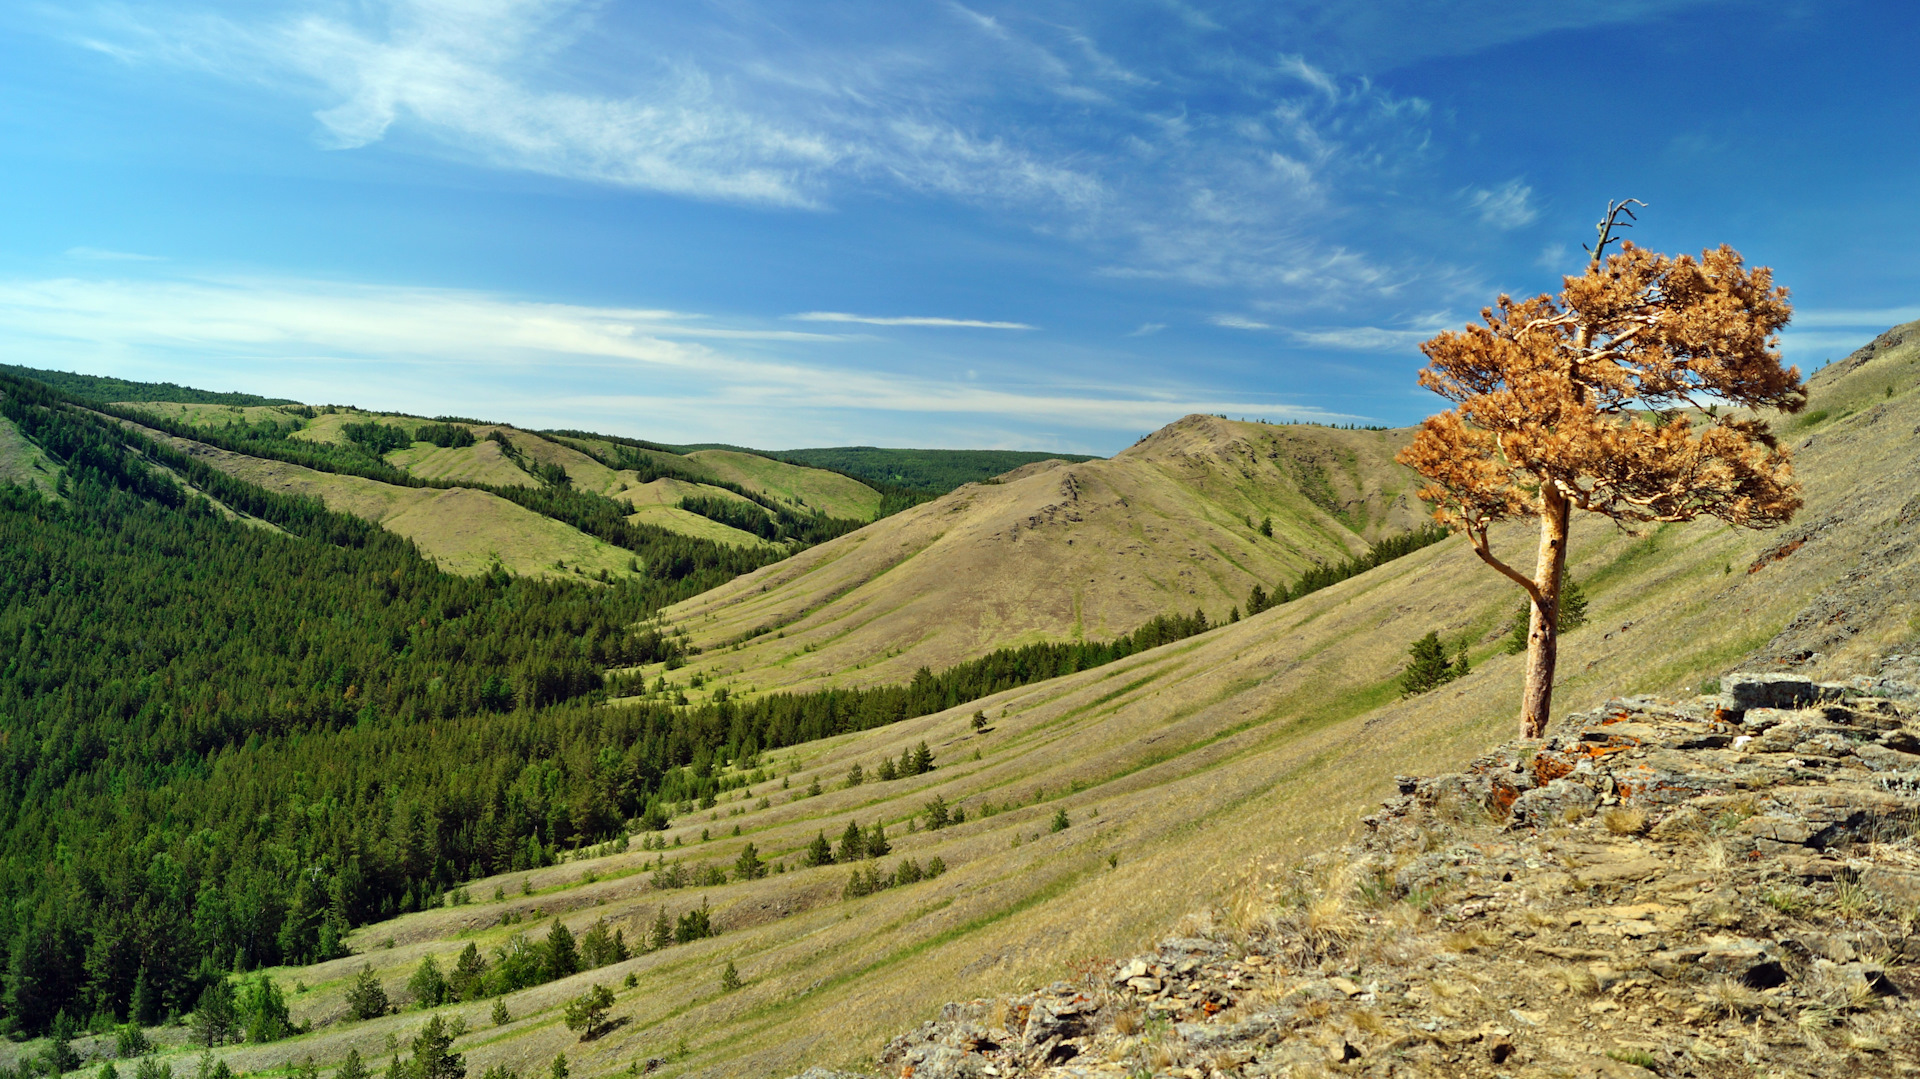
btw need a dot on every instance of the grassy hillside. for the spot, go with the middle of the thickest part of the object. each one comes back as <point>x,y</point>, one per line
<point>1061,551</point>
<point>1185,774</point>
<point>24,463</point>
<point>810,489</point>
<point>597,465</point>
<point>461,529</point>
<point>938,471</point>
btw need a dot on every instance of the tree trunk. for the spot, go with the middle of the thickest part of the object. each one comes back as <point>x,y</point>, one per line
<point>1543,624</point>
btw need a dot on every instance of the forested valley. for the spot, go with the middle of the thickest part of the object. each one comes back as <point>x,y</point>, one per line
<point>226,742</point>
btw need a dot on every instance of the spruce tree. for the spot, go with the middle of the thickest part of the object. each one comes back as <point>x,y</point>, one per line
<point>501,1016</point>
<point>887,771</point>
<point>922,759</point>
<point>877,845</point>
<point>662,933</point>
<point>856,775</point>
<point>729,978</point>
<point>819,852</point>
<point>936,813</point>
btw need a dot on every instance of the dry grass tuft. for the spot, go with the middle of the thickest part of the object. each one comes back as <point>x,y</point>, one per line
<point>1577,980</point>
<point>1621,820</point>
<point>1733,997</point>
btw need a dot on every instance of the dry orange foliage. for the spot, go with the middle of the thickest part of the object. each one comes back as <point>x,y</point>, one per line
<point>1607,398</point>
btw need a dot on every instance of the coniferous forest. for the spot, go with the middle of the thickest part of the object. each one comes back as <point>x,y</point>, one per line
<point>224,743</point>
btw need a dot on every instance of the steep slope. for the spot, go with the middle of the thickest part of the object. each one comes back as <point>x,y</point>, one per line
<point>487,461</point>
<point>811,490</point>
<point>24,463</point>
<point>1059,551</point>
<point>462,529</point>
<point>1190,776</point>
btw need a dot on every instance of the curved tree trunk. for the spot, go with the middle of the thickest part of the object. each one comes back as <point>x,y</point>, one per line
<point>1543,624</point>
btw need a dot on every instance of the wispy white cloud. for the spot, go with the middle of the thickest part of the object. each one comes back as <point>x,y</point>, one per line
<point>1864,317</point>
<point>531,361</point>
<point>97,254</point>
<point>908,320</point>
<point>761,113</point>
<point>1506,207</point>
<point>1239,322</point>
<point>1147,329</point>
<point>1361,338</point>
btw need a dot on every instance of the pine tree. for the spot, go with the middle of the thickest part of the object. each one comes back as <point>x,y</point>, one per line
<point>922,759</point>
<point>1266,527</point>
<point>819,852</point>
<point>587,1012</point>
<point>562,957</point>
<point>856,775</point>
<point>559,1069</point>
<point>144,1008</point>
<point>60,1056</point>
<point>1553,397</point>
<point>1061,822</point>
<point>214,1014</point>
<point>432,1055</point>
<point>428,985</point>
<point>853,845</point>
<point>887,771</point>
<point>662,933</point>
<point>1256,601</point>
<point>352,1067</point>
<point>264,1010</point>
<point>749,866</point>
<point>936,813</point>
<point>729,978</point>
<point>469,974</point>
<point>877,845</point>
<point>501,1016</point>
<point>1427,666</point>
<point>366,999</point>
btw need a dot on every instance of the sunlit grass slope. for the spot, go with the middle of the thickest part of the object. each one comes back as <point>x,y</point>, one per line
<point>462,529</point>
<point>808,489</point>
<point>1184,773</point>
<point>1059,551</point>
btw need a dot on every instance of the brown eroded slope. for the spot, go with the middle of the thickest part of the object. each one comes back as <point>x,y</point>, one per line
<point>1059,551</point>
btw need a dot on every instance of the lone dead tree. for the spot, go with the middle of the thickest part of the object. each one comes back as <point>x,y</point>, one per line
<point>1593,400</point>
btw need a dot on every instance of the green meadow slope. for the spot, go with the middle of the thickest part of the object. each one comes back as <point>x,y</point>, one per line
<point>486,461</point>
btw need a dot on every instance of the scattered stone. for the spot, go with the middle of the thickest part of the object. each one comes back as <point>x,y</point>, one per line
<point>1728,886</point>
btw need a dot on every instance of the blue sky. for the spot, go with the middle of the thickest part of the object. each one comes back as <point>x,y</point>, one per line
<point>1043,225</point>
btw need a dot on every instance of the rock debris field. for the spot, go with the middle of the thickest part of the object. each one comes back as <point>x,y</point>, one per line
<point>1724,887</point>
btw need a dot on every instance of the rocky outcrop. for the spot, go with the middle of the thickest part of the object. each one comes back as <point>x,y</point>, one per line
<point>1727,886</point>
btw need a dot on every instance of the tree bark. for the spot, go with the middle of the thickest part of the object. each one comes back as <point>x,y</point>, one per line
<point>1543,624</point>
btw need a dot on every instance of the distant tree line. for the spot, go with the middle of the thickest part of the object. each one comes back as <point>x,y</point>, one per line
<point>1318,577</point>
